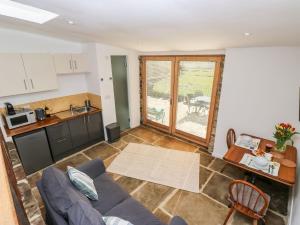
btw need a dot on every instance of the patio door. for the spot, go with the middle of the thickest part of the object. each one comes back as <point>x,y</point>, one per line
<point>157,77</point>
<point>179,94</point>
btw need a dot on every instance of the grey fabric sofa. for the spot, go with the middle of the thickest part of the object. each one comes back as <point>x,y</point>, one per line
<point>58,194</point>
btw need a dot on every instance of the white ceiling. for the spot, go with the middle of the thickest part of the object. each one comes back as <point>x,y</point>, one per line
<point>170,25</point>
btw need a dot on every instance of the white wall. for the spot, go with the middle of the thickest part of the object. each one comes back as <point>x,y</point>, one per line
<point>260,89</point>
<point>102,70</point>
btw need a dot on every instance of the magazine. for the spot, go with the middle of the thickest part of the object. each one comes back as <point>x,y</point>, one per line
<point>247,142</point>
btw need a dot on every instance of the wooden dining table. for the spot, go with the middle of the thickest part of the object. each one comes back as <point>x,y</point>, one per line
<point>286,175</point>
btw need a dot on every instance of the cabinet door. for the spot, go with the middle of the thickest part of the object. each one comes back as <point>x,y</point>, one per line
<point>59,139</point>
<point>78,130</point>
<point>34,151</point>
<point>95,126</point>
<point>63,63</point>
<point>12,75</point>
<point>80,64</point>
<point>40,72</point>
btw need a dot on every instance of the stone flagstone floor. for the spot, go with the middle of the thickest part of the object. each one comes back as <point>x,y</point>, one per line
<point>209,207</point>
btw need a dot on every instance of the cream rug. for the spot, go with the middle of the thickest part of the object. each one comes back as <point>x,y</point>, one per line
<point>178,169</point>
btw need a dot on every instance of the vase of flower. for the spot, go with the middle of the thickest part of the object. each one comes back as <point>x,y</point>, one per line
<point>283,134</point>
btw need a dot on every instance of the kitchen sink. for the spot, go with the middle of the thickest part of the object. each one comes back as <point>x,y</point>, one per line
<point>78,110</point>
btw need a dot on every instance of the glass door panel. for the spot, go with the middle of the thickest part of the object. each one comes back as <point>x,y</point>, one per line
<point>194,92</point>
<point>158,91</point>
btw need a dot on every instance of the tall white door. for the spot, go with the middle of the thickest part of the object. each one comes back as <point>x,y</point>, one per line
<point>40,72</point>
<point>12,75</point>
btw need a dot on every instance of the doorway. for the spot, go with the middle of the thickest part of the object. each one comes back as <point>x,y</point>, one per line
<point>119,73</point>
<point>179,94</point>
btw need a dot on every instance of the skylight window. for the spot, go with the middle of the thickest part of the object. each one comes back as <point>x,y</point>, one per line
<point>25,12</point>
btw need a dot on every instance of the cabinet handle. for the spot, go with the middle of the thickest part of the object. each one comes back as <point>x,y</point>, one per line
<point>75,63</point>
<point>84,120</point>
<point>32,84</point>
<point>70,63</point>
<point>25,84</point>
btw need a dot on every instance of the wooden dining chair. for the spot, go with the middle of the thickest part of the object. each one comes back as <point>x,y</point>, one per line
<point>247,199</point>
<point>230,137</point>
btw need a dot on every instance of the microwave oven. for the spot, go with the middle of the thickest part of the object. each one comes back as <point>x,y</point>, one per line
<point>21,118</point>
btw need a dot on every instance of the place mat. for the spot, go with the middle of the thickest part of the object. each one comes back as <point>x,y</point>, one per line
<point>248,142</point>
<point>248,161</point>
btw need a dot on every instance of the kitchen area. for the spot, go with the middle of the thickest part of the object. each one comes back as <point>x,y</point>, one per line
<point>51,128</point>
<point>61,96</point>
<point>42,139</point>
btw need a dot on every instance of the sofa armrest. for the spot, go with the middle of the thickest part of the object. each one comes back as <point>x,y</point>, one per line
<point>176,220</point>
<point>93,168</point>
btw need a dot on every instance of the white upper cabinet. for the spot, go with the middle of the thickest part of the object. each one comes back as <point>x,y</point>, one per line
<point>12,75</point>
<point>63,63</point>
<point>40,72</point>
<point>70,63</point>
<point>79,63</point>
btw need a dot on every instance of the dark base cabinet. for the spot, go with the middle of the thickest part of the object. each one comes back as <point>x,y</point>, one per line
<point>73,135</point>
<point>95,126</point>
<point>38,149</point>
<point>78,129</point>
<point>59,139</point>
<point>34,151</point>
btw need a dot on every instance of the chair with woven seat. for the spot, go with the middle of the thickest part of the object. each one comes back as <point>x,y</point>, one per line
<point>247,199</point>
<point>230,137</point>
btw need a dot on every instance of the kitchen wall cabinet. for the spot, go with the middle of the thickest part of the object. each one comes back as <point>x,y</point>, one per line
<point>12,75</point>
<point>40,72</point>
<point>79,63</point>
<point>34,151</point>
<point>60,141</point>
<point>26,73</point>
<point>70,63</point>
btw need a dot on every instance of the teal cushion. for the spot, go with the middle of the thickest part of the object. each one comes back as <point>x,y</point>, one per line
<point>83,183</point>
<point>113,220</point>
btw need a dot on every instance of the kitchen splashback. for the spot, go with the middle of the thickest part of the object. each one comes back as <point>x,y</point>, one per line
<point>63,103</point>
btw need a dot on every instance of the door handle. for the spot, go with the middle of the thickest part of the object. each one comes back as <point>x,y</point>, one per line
<point>32,84</point>
<point>25,84</point>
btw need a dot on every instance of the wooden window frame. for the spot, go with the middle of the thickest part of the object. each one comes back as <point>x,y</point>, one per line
<point>175,59</point>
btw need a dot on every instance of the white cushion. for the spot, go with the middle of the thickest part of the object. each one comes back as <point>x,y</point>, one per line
<point>113,220</point>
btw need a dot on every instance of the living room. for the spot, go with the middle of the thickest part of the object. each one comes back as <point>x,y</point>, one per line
<point>174,77</point>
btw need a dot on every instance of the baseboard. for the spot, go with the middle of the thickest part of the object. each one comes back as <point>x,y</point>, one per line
<point>217,155</point>
<point>291,207</point>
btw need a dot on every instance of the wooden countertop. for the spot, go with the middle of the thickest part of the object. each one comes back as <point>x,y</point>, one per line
<point>53,119</point>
